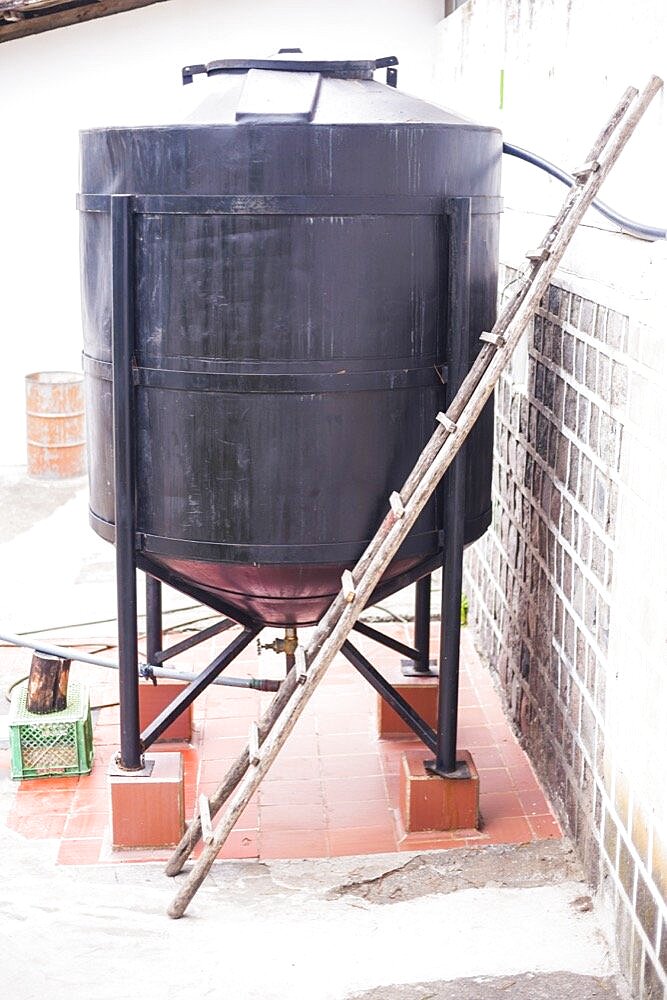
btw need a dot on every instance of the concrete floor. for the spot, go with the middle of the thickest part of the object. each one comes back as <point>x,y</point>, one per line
<point>513,921</point>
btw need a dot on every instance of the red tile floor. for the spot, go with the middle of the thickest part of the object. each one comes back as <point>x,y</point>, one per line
<point>332,791</point>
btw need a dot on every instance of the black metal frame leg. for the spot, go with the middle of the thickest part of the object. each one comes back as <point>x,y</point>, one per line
<point>421,667</point>
<point>459,219</point>
<point>122,323</point>
<point>153,619</point>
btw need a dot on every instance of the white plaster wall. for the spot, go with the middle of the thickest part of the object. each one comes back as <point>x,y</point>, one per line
<point>566,63</point>
<point>125,70</point>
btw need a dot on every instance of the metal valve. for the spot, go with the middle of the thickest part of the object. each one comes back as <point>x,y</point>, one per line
<point>286,645</point>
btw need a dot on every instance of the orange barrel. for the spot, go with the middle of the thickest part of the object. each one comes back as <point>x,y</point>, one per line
<point>55,419</point>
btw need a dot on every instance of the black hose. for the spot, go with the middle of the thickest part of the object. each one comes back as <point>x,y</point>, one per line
<point>627,225</point>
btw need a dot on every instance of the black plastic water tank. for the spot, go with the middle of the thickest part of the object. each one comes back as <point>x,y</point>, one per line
<point>290,308</point>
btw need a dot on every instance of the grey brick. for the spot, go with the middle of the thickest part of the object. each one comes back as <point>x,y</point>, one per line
<point>598,557</point>
<point>591,608</point>
<point>552,446</point>
<point>587,317</point>
<point>573,472</point>
<point>600,498</point>
<point>570,408</point>
<point>577,591</point>
<point>603,382</point>
<point>646,908</point>
<point>601,323</point>
<point>617,330</point>
<point>653,988</point>
<point>542,435</point>
<point>584,541</point>
<point>559,396</point>
<point>575,310</point>
<point>610,839</point>
<point>538,332</point>
<point>568,352</point>
<point>554,300</point>
<point>591,367</point>
<point>619,384</point>
<point>580,361</point>
<point>562,449</point>
<point>564,304</point>
<point>594,426</point>
<point>549,389</point>
<point>626,868</point>
<point>585,475</point>
<point>556,344</point>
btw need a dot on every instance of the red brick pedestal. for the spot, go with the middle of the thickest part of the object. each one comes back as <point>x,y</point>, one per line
<point>153,699</point>
<point>421,694</point>
<point>147,807</point>
<point>430,802</point>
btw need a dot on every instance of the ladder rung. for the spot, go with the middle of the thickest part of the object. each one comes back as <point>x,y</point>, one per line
<point>253,744</point>
<point>537,256</point>
<point>300,664</point>
<point>446,422</point>
<point>583,173</point>
<point>496,339</point>
<point>205,817</point>
<point>347,581</point>
<point>396,504</point>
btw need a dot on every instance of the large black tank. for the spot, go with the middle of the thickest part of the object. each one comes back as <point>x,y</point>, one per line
<point>290,258</point>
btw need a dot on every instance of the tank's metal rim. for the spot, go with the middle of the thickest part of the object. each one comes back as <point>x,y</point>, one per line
<point>283,366</point>
<point>460,126</point>
<point>301,383</point>
<point>331,554</point>
<point>327,206</point>
<point>336,552</point>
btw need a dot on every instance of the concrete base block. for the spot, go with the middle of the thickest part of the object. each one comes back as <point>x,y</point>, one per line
<point>153,699</point>
<point>431,802</point>
<point>147,808</point>
<point>421,694</point>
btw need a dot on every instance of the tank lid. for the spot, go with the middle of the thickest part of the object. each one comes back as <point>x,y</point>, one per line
<point>288,88</point>
<point>284,62</point>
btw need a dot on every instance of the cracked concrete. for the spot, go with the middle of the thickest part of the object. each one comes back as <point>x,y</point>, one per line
<point>558,986</point>
<point>501,865</point>
<point>510,921</point>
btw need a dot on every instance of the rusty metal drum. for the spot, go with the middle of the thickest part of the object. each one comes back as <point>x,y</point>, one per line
<point>55,425</point>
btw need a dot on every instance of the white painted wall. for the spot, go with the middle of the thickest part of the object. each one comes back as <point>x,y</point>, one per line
<point>125,70</point>
<point>566,64</point>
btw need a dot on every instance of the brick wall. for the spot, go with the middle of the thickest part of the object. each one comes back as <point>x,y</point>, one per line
<point>565,589</point>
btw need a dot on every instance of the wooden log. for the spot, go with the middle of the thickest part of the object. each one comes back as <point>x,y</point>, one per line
<point>63,681</point>
<point>332,631</point>
<point>47,684</point>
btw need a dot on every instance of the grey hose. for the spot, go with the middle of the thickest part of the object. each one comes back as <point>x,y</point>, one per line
<point>145,670</point>
<point>627,225</point>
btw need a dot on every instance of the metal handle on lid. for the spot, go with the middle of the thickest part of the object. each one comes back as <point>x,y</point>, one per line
<point>343,69</point>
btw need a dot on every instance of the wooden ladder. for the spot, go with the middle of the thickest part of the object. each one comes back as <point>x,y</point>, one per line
<point>270,733</point>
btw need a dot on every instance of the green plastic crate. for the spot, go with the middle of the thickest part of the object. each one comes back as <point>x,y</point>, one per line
<point>51,745</point>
